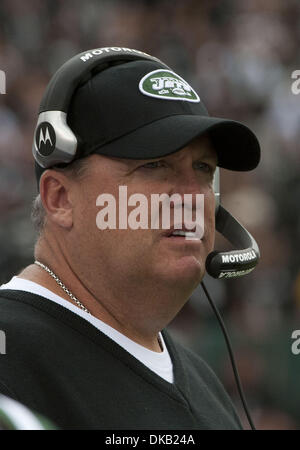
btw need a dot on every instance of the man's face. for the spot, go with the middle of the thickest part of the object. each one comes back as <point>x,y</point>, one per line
<point>148,257</point>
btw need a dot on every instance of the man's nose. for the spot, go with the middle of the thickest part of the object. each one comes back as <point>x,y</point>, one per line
<point>187,182</point>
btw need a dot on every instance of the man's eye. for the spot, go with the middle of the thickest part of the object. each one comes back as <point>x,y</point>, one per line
<point>199,165</point>
<point>152,165</point>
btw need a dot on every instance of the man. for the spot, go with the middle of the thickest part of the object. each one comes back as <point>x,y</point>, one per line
<point>85,324</point>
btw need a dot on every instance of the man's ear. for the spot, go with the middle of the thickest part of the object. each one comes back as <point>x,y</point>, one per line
<point>55,195</point>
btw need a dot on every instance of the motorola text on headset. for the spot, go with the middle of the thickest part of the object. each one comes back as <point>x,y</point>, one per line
<point>63,148</point>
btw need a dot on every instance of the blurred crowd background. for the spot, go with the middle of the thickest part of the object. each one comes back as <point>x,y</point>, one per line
<point>239,55</point>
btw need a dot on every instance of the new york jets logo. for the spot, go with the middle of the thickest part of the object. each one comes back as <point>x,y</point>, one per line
<point>45,138</point>
<point>165,84</point>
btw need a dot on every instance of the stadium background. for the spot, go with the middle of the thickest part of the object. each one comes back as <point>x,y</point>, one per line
<point>239,56</point>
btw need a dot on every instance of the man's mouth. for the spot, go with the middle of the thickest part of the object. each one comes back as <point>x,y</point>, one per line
<point>184,233</point>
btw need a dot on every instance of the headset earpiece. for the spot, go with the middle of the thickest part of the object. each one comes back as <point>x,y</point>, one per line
<point>54,141</point>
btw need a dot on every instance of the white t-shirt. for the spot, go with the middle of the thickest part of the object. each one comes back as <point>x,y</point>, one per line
<point>160,363</point>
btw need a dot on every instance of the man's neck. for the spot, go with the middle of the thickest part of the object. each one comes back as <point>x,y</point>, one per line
<point>38,275</point>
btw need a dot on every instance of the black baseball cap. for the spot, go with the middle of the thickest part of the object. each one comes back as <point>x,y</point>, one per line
<point>141,110</point>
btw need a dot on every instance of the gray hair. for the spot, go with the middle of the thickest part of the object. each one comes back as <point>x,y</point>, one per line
<point>77,170</point>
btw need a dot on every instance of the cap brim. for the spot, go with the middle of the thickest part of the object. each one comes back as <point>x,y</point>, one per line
<point>236,145</point>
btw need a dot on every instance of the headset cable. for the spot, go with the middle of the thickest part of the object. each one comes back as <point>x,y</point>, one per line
<point>234,367</point>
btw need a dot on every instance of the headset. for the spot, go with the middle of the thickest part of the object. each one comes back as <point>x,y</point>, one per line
<point>61,146</point>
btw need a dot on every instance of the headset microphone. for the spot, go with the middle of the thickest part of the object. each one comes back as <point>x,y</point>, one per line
<point>237,262</point>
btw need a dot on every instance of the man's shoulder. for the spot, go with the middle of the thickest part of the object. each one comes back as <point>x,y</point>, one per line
<point>20,308</point>
<point>15,306</point>
<point>25,321</point>
<point>30,320</point>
